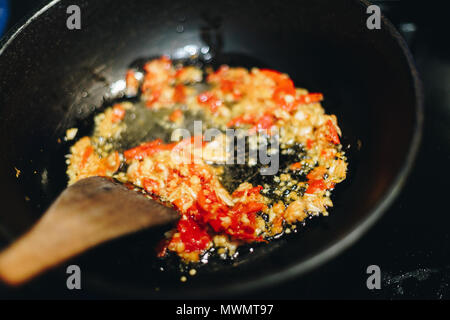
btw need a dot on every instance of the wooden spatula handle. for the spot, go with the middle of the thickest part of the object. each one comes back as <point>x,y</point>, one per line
<point>90,212</point>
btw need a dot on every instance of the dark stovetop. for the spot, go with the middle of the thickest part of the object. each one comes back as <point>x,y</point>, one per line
<point>411,243</point>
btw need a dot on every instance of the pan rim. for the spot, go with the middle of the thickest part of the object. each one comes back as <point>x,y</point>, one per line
<point>337,248</point>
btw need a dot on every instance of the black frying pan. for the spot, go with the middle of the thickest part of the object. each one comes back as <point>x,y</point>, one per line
<point>52,78</point>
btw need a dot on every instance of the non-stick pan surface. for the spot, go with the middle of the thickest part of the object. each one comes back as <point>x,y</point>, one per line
<point>53,78</point>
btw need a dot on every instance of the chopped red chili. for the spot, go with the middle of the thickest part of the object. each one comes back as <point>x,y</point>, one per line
<point>332,135</point>
<point>209,99</point>
<point>118,113</point>
<point>147,149</point>
<point>179,93</point>
<point>316,185</point>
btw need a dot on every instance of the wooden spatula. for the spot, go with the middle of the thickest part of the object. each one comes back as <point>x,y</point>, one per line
<point>86,214</point>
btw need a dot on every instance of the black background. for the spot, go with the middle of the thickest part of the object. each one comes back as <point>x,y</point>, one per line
<point>411,243</point>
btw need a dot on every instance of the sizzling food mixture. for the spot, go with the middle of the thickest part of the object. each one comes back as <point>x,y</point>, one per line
<point>222,205</point>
